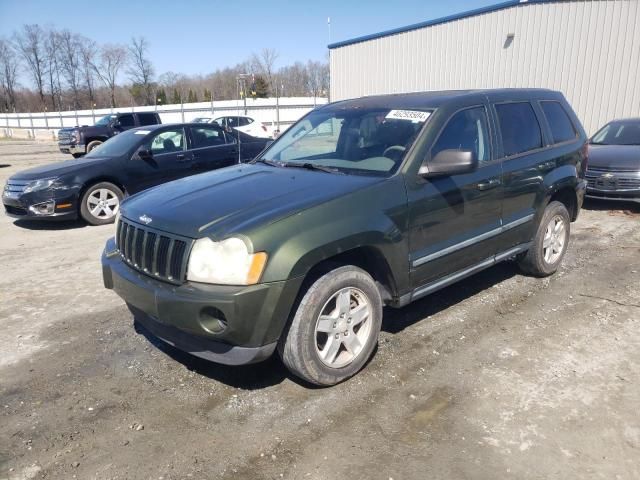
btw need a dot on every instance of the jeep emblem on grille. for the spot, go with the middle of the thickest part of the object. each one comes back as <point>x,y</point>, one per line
<point>146,220</point>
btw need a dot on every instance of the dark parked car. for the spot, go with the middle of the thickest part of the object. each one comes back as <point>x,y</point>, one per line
<point>362,203</point>
<point>613,172</point>
<point>80,140</point>
<point>126,164</point>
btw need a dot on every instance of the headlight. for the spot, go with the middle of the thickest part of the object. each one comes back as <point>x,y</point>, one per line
<point>39,185</point>
<point>227,262</point>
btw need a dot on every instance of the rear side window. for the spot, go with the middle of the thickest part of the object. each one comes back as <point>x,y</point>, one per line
<point>147,119</point>
<point>561,127</point>
<point>519,127</point>
<point>467,130</point>
<point>207,137</point>
<point>126,120</point>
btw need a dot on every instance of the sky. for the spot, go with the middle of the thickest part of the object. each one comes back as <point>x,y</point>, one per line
<point>199,36</point>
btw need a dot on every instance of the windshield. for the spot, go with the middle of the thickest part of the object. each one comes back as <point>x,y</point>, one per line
<point>105,120</point>
<point>618,133</point>
<point>118,145</point>
<point>366,141</point>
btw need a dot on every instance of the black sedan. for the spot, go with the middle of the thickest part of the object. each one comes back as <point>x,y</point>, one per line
<point>93,187</point>
<point>613,171</point>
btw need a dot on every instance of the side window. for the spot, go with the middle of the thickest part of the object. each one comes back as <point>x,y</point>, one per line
<point>127,121</point>
<point>147,119</point>
<point>168,141</point>
<point>519,127</point>
<point>207,137</point>
<point>467,130</point>
<point>221,121</point>
<point>561,127</point>
<point>244,121</point>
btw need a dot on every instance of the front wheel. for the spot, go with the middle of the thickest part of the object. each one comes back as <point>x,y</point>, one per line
<point>335,328</point>
<point>550,243</point>
<point>100,203</point>
<point>92,145</point>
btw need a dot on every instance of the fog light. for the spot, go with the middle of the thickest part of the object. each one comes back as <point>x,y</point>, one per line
<point>45,208</point>
<point>213,320</point>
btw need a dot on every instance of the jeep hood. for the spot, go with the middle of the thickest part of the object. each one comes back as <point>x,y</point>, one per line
<point>234,199</point>
<point>58,169</point>
<point>615,157</point>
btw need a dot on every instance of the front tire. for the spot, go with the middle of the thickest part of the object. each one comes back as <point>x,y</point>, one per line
<point>92,145</point>
<point>335,328</point>
<point>550,243</point>
<point>100,203</point>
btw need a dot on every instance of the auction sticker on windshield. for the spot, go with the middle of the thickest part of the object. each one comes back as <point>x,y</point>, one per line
<point>142,132</point>
<point>414,116</point>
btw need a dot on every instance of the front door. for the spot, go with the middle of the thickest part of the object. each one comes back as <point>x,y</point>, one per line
<point>454,220</point>
<point>169,161</point>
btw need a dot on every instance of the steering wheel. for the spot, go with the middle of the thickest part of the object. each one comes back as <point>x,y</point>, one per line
<point>393,148</point>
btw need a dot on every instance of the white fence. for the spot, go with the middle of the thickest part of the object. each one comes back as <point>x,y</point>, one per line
<point>279,113</point>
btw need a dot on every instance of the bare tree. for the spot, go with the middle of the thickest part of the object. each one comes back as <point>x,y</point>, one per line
<point>8,73</point>
<point>318,77</point>
<point>263,64</point>
<point>141,69</point>
<point>30,43</point>
<point>110,61</point>
<point>52,51</point>
<point>70,46</point>
<point>88,51</point>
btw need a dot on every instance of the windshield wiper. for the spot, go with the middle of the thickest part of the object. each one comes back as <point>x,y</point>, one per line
<point>268,162</point>
<point>314,166</point>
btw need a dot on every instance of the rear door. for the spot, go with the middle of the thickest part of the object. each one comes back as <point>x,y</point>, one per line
<point>454,220</point>
<point>211,148</point>
<point>526,161</point>
<point>170,160</point>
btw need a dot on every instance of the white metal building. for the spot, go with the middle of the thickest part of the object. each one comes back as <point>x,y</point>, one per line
<point>588,49</point>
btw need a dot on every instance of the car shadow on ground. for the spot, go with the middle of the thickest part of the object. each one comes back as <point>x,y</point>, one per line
<point>50,224</point>
<point>5,165</point>
<point>273,372</point>
<point>396,320</point>
<point>629,208</point>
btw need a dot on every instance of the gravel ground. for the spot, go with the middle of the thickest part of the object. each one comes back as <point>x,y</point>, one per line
<point>500,376</point>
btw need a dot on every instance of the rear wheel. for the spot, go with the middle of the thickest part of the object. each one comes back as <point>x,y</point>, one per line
<point>550,243</point>
<point>92,145</point>
<point>100,203</point>
<point>77,155</point>
<point>335,327</point>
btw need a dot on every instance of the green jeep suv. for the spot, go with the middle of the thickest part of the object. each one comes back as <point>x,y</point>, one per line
<point>361,204</point>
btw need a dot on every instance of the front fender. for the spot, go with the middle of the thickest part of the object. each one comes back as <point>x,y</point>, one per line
<point>375,218</point>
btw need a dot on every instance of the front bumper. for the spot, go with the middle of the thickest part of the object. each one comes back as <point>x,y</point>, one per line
<point>72,148</point>
<point>60,205</point>
<point>232,325</point>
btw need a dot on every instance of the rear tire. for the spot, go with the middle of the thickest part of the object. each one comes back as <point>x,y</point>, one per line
<point>94,144</point>
<point>335,327</point>
<point>77,155</point>
<point>100,203</point>
<point>550,242</point>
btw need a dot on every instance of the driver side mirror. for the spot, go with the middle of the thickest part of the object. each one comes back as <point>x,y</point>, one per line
<point>145,154</point>
<point>449,162</point>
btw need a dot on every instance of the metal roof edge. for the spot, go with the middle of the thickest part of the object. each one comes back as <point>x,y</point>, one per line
<point>437,21</point>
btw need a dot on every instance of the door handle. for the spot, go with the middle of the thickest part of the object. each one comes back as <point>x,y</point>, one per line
<point>489,184</point>
<point>182,158</point>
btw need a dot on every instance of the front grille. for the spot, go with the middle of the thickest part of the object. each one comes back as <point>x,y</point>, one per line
<point>612,180</point>
<point>16,186</point>
<point>11,210</point>
<point>158,254</point>
<point>604,168</point>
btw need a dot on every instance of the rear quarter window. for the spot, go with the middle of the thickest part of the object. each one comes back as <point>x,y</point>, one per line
<point>147,119</point>
<point>559,122</point>
<point>519,128</point>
